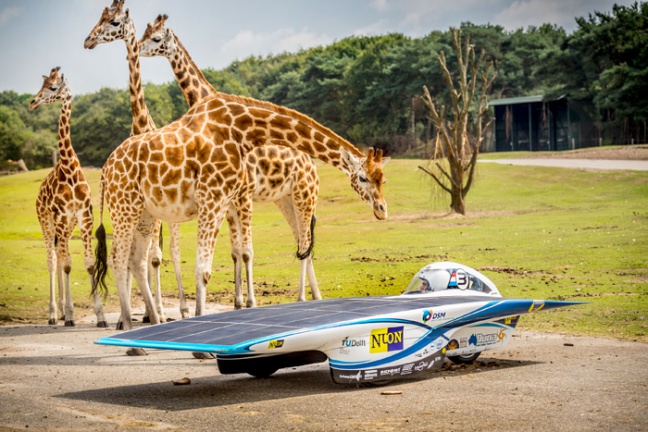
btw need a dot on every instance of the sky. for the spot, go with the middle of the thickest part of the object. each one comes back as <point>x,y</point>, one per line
<point>37,35</point>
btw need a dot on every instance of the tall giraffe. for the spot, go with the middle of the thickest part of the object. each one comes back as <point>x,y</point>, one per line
<point>64,201</point>
<point>274,173</point>
<point>114,24</point>
<point>192,168</point>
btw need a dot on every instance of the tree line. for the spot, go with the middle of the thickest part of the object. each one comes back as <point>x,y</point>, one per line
<point>368,89</point>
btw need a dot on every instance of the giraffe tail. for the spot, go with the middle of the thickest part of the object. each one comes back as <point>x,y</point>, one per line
<point>309,251</point>
<point>101,252</point>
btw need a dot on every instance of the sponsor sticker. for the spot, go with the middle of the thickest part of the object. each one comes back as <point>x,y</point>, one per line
<point>275,343</point>
<point>386,340</point>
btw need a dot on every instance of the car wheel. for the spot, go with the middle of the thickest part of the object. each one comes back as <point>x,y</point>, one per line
<point>465,358</point>
<point>262,372</point>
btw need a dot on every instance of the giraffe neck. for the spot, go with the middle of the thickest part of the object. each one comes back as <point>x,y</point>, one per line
<point>66,152</point>
<point>262,122</point>
<point>142,121</point>
<point>193,83</point>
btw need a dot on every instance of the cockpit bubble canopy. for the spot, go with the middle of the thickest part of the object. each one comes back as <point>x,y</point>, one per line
<point>443,276</point>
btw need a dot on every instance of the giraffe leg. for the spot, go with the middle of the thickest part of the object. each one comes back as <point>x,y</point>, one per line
<point>209,223</point>
<point>235,242</point>
<point>138,264</point>
<point>312,280</point>
<point>47,228</point>
<point>65,264</point>
<point>119,257</point>
<point>174,250</point>
<point>299,219</point>
<point>247,248</point>
<point>210,218</point>
<point>60,282</point>
<point>155,259</point>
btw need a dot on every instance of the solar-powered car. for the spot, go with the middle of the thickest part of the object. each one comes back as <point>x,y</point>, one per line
<point>449,310</point>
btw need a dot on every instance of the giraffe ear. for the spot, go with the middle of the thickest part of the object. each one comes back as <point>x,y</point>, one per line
<point>126,13</point>
<point>385,160</point>
<point>45,77</point>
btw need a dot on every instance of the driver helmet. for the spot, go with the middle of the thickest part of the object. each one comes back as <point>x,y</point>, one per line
<point>437,279</point>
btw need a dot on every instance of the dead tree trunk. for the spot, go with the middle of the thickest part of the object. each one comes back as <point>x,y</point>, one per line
<point>460,131</point>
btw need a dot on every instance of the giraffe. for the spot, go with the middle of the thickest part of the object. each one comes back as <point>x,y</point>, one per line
<point>114,24</point>
<point>274,173</point>
<point>192,168</point>
<point>64,201</point>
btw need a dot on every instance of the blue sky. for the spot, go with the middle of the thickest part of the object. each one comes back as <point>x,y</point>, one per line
<point>36,35</point>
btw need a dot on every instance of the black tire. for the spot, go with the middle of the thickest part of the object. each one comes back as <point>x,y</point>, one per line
<point>262,372</point>
<point>464,359</point>
<point>377,383</point>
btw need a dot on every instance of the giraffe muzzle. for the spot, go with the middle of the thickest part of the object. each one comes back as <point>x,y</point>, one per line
<point>380,212</point>
<point>89,43</point>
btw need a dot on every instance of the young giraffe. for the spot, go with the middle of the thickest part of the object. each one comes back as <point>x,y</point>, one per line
<point>193,168</point>
<point>115,24</point>
<point>63,202</point>
<point>274,173</point>
<point>121,26</point>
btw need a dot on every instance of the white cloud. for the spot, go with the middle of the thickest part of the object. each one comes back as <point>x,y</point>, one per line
<point>380,5</point>
<point>523,13</point>
<point>247,42</point>
<point>8,13</point>
<point>376,28</point>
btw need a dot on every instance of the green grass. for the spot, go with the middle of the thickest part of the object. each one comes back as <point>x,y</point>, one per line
<point>542,233</point>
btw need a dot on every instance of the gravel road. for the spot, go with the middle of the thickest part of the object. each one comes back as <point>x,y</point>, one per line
<point>55,378</point>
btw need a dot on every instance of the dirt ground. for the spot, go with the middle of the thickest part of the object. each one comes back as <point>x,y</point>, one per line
<point>55,378</point>
<point>629,152</point>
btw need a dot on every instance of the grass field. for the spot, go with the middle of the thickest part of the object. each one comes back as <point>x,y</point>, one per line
<point>542,233</point>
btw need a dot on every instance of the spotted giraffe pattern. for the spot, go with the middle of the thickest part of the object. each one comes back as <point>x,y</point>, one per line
<point>64,201</point>
<point>114,24</point>
<point>274,173</point>
<point>192,168</point>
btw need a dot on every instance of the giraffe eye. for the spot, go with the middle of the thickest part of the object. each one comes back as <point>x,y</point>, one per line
<point>363,179</point>
<point>114,23</point>
<point>53,88</point>
<point>157,40</point>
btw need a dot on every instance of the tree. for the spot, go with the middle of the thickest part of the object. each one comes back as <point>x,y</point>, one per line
<point>461,130</point>
<point>12,134</point>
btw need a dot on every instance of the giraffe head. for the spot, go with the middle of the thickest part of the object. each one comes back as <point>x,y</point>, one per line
<point>367,178</point>
<point>55,88</point>
<point>157,40</point>
<point>115,23</point>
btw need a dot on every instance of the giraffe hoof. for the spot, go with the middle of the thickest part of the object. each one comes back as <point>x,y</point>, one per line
<point>102,324</point>
<point>52,321</point>
<point>119,326</point>
<point>170,319</point>
<point>203,356</point>
<point>146,320</point>
<point>70,323</point>
<point>135,352</point>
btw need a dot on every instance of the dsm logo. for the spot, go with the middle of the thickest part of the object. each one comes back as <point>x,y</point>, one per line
<point>386,339</point>
<point>431,315</point>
